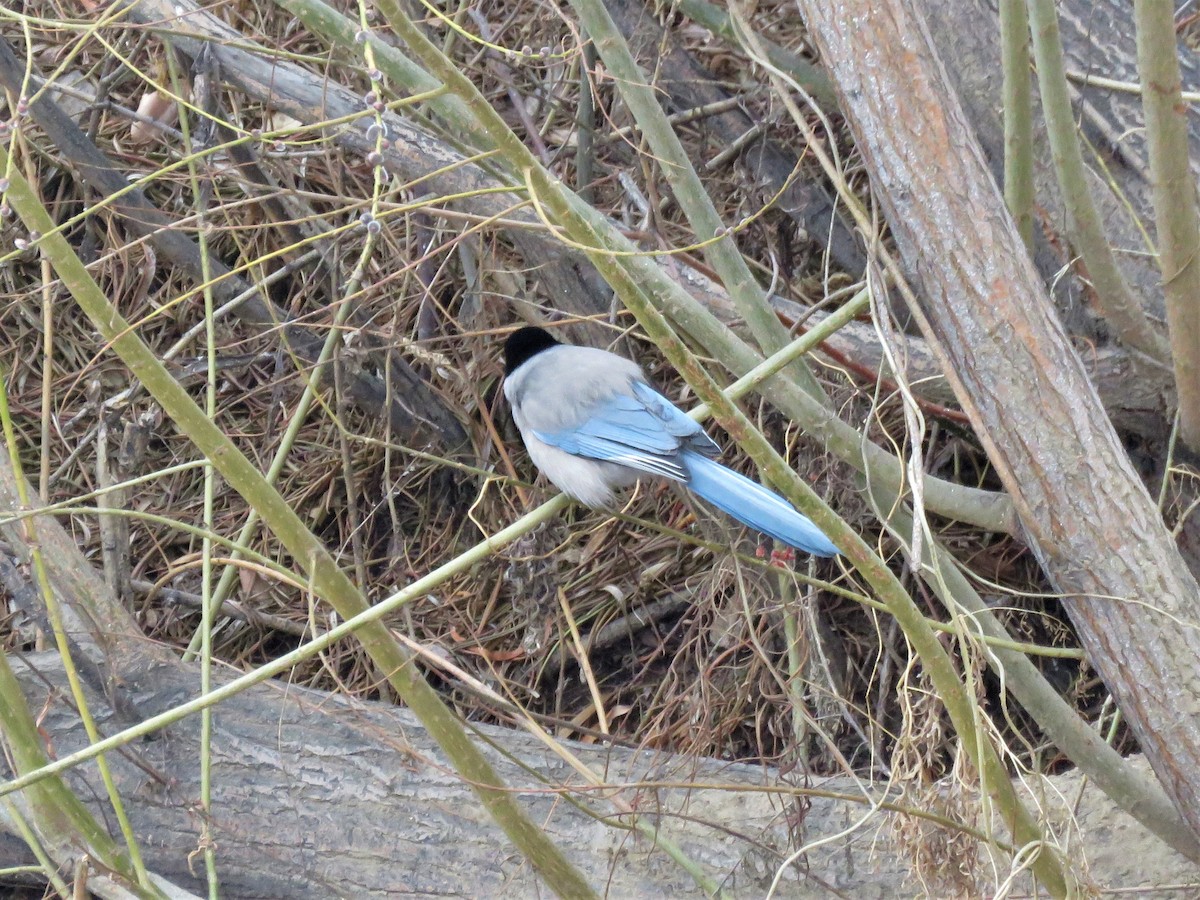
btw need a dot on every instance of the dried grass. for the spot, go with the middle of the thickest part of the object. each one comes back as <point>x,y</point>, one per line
<point>708,674</point>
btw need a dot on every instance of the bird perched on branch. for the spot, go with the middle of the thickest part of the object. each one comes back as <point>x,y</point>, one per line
<point>593,425</point>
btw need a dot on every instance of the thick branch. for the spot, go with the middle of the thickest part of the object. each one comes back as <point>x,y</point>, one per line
<point>1090,520</point>
<point>317,795</point>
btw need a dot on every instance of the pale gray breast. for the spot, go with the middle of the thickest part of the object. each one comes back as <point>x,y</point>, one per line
<point>559,387</point>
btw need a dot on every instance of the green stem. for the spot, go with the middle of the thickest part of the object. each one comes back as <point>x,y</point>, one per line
<point>419,588</point>
<point>1133,790</point>
<point>136,868</point>
<point>810,77</point>
<point>1018,117</point>
<point>210,481</point>
<point>47,868</point>
<point>61,821</point>
<point>722,251</point>
<point>1175,213</point>
<point>1083,221</point>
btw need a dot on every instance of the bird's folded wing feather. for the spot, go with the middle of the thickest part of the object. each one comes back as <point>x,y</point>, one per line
<point>675,420</point>
<point>641,430</point>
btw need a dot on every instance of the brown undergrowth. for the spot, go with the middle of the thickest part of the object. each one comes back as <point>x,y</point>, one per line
<point>685,629</point>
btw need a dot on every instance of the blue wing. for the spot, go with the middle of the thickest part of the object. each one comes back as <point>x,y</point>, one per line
<point>642,430</point>
<point>675,421</point>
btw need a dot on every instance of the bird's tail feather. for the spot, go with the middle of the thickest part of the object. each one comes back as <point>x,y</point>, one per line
<point>753,505</point>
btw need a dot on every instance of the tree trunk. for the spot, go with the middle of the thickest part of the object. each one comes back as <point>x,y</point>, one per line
<point>319,796</point>
<point>1092,524</point>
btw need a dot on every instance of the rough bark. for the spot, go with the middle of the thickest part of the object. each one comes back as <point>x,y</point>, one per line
<point>1091,522</point>
<point>322,790</point>
<point>1099,41</point>
<point>319,796</point>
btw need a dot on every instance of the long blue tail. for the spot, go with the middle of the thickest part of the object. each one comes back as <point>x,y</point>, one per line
<point>752,504</point>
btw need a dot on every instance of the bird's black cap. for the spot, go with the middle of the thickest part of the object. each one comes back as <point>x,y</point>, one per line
<point>523,344</point>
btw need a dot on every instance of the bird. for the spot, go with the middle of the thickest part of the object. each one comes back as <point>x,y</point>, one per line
<point>592,424</point>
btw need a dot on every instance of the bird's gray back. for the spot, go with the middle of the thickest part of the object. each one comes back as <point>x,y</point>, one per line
<point>571,382</point>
